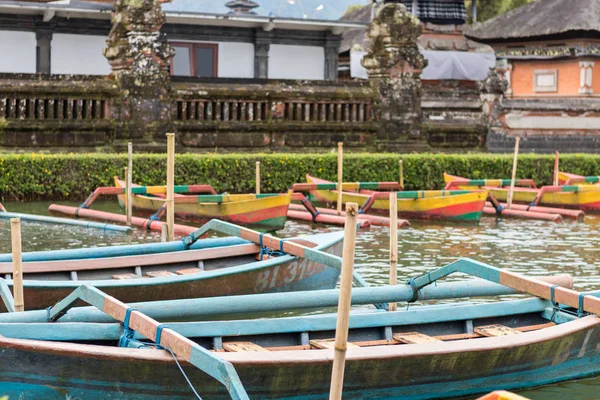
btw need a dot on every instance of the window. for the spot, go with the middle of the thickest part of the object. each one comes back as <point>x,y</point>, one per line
<point>195,59</point>
<point>545,81</point>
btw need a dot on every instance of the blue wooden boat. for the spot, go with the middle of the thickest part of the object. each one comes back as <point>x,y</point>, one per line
<point>423,352</point>
<point>175,270</point>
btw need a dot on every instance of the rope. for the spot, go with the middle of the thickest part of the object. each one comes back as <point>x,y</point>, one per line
<point>128,333</point>
<point>554,303</point>
<point>415,289</point>
<point>581,311</point>
<point>158,346</point>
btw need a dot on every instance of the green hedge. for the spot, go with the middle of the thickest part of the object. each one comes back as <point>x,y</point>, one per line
<point>60,177</point>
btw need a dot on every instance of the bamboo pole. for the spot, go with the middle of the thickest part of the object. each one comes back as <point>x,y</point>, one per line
<point>258,177</point>
<point>129,184</point>
<point>401,182</point>
<point>514,175</point>
<point>15,233</point>
<point>393,243</point>
<point>555,181</point>
<point>164,233</point>
<point>340,176</point>
<point>170,185</point>
<point>344,303</point>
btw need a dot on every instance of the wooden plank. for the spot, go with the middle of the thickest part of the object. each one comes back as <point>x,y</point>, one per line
<point>125,276</point>
<point>243,347</point>
<point>158,274</point>
<point>496,330</point>
<point>329,344</point>
<point>132,261</point>
<point>189,271</point>
<point>415,338</point>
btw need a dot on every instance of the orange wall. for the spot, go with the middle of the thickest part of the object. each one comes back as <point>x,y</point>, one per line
<point>568,77</point>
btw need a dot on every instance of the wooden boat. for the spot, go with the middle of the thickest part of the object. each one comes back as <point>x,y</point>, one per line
<point>163,271</point>
<point>264,212</point>
<point>420,353</point>
<point>582,197</point>
<point>566,178</point>
<point>461,205</point>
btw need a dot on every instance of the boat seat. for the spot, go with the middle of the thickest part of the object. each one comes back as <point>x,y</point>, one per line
<point>414,338</point>
<point>243,346</point>
<point>496,330</point>
<point>329,344</point>
<point>125,276</point>
<point>188,271</point>
<point>158,274</point>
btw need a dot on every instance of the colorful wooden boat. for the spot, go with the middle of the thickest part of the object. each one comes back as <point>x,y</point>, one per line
<point>163,271</point>
<point>264,212</point>
<point>461,205</point>
<point>582,197</point>
<point>420,353</point>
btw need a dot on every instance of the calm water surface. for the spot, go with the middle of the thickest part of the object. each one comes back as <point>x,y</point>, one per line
<point>531,247</point>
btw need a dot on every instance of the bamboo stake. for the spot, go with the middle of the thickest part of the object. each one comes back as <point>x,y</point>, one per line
<point>393,242</point>
<point>170,185</point>
<point>129,183</point>
<point>401,182</point>
<point>258,177</point>
<point>340,176</point>
<point>15,232</point>
<point>164,233</point>
<point>514,175</point>
<point>344,303</point>
<point>555,182</point>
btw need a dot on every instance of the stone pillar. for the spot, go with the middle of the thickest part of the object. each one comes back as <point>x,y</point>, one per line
<point>262,45</point>
<point>585,85</point>
<point>139,56</point>
<point>394,65</point>
<point>332,56</point>
<point>43,50</point>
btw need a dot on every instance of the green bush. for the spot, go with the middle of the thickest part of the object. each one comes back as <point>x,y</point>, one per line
<point>74,177</point>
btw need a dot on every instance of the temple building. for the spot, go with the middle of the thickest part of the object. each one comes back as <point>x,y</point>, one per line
<point>448,53</point>
<point>548,54</point>
<point>69,36</point>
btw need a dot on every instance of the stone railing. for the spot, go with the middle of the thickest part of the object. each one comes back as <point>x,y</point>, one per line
<point>273,114</point>
<point>68,112</point>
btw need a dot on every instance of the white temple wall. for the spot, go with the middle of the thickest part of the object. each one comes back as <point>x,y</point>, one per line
<point>78,54</point>
<point>17,52</point>
<point>296,62</point>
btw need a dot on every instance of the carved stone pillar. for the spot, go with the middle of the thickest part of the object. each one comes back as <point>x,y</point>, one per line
<point>139,56</point>
<point>587,69</point>
<point>332,56</point>
<point>492,93</point>
<point>394,65</point>
<point>43,50</point>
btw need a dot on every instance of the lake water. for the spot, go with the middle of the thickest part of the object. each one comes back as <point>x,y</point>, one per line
<point>530,247</point>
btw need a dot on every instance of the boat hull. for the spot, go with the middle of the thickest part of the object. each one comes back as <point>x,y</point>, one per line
<point>434,205</point>
<point>413,372</point>
<point>263,213</point>
<point>588,201</point>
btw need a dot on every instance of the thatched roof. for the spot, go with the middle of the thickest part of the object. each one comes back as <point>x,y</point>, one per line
<point>539,19</point>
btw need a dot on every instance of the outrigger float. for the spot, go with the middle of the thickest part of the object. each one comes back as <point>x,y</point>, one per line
<point>460,205</point>
<point>186,268</point>
<point>62,221</point>
<point>423,352</point>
